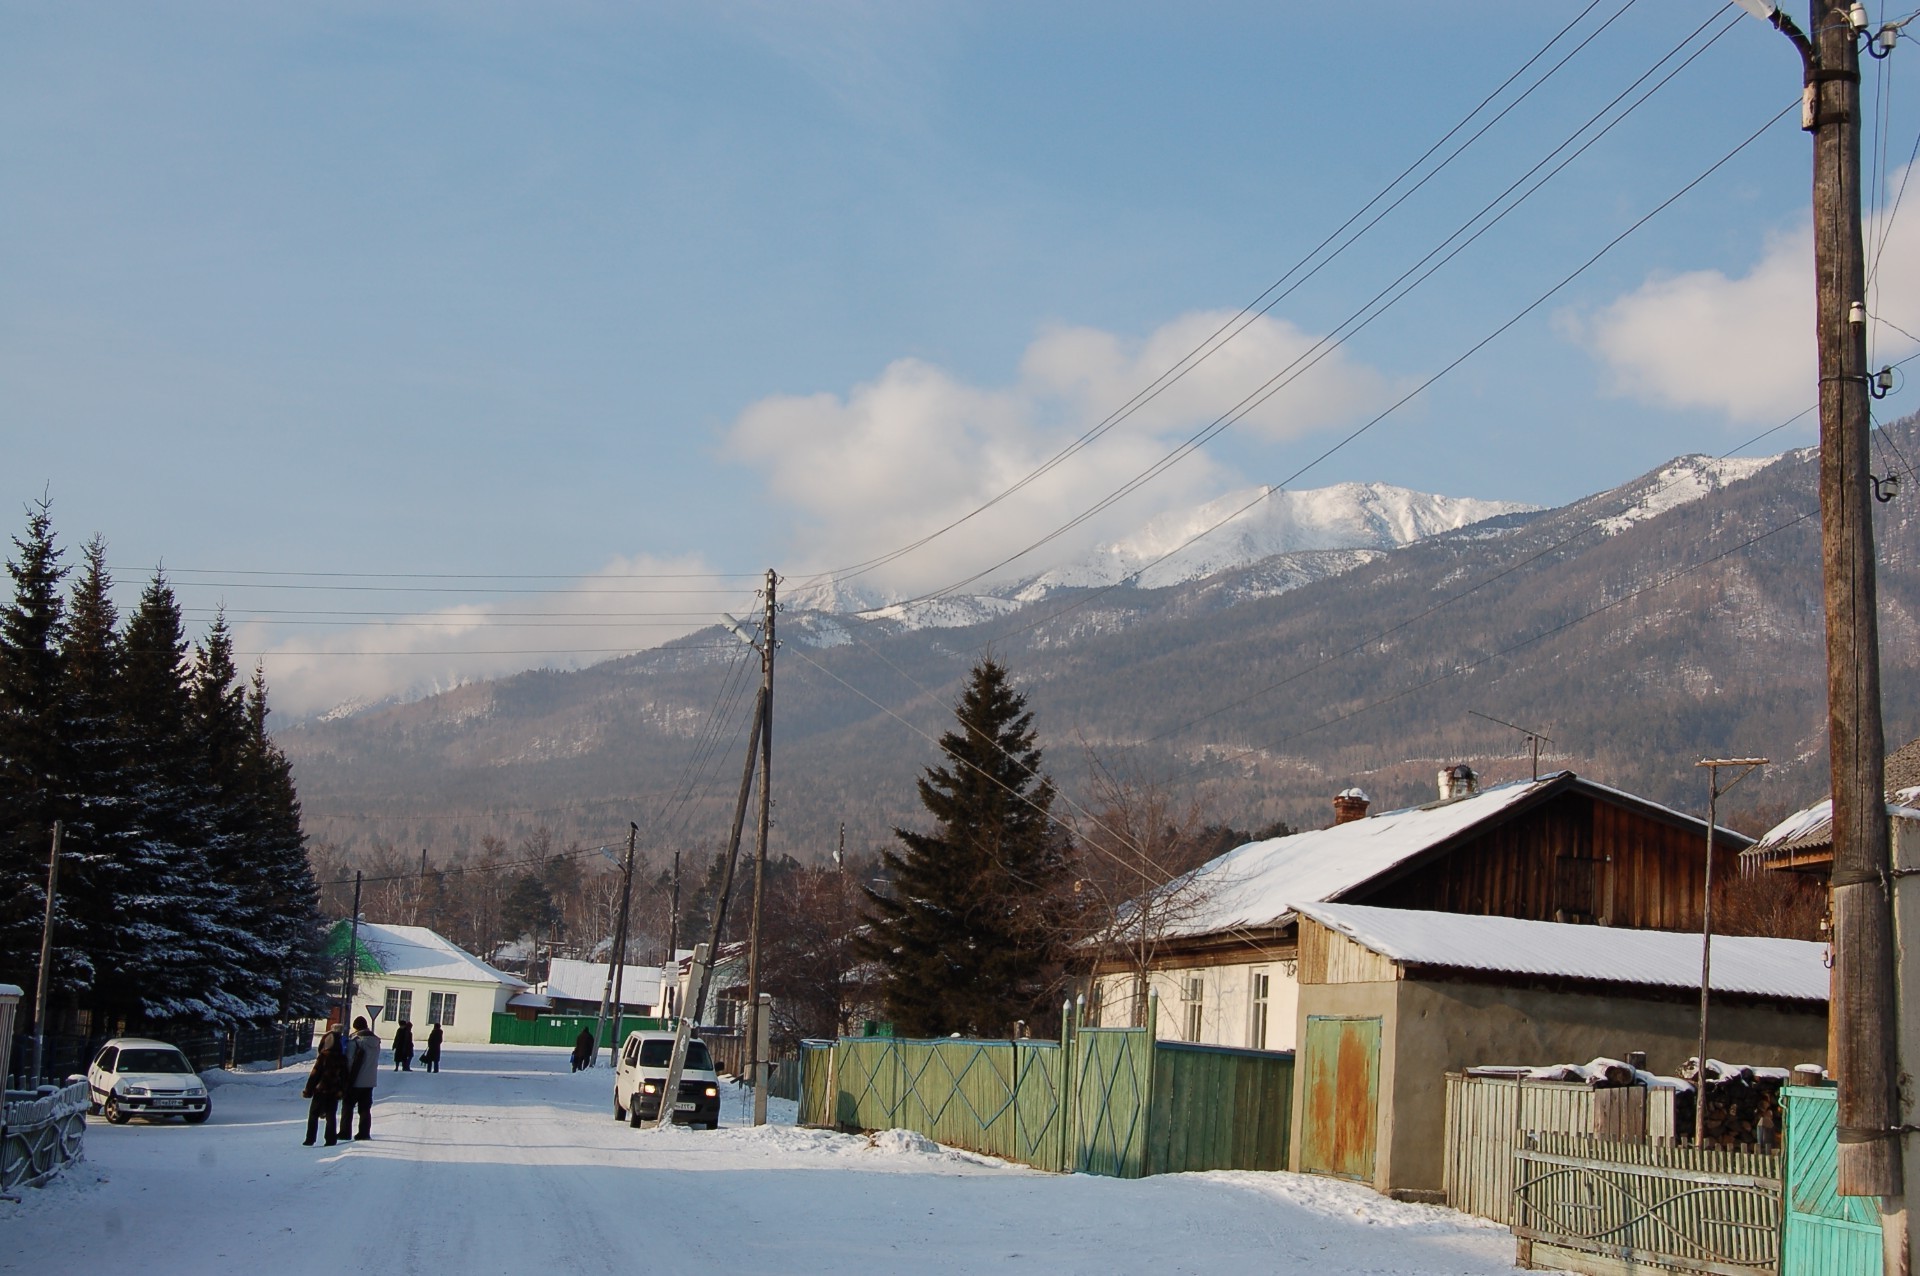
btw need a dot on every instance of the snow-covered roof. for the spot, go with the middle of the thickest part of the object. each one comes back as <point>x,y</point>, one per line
<point>587,981</point>
<point>419,953</point>
<point>1793,969</point>
<point>1811,830</point>
<point>1261,884</point>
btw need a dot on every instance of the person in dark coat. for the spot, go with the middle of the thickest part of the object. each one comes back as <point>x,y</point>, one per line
<point>432,1057</point>
<point>326,1086</point>
<point>584,1048</point>
<point>403,1045</point>
<point>363,1053</point>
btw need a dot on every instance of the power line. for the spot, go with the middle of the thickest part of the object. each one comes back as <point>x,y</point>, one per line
<point>1267,299</point>
<point>1411,394</point>
<point>1387,297</point>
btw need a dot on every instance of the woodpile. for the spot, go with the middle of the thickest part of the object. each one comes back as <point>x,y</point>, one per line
<point>1742,1104</point>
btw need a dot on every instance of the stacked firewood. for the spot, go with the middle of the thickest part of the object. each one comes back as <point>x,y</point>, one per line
<point>1742,1104</point>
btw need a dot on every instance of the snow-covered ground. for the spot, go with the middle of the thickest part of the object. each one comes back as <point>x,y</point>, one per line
<point>507,1163</point>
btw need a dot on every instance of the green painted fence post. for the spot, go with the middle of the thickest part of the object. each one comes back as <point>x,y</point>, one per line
<point>1146,1112</point>
<point>1069,1096</point>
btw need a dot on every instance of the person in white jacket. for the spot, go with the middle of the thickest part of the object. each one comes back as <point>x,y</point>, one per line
<point>364,1073</point>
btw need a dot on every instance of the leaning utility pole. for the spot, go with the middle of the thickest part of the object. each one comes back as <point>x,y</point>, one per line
<point>616,952</point>
<point>757,1069</point>
<point>708,955</point>
<point>46,957</point>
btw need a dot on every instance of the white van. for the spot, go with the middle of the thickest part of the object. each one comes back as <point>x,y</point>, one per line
<point>642,1071</point>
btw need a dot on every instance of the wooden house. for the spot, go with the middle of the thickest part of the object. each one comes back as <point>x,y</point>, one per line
<point>1223,944</point>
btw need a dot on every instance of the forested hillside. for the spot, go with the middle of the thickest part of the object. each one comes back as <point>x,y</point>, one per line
<point>1639,631</point>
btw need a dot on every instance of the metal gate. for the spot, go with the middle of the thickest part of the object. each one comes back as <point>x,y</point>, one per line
<point>1826,1234</point>
<point>1341,1071</point>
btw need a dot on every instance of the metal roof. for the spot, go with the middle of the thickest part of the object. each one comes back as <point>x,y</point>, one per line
<point>1792,969</point>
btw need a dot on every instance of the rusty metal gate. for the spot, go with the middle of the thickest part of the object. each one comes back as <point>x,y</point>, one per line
<point>1340,1068</point>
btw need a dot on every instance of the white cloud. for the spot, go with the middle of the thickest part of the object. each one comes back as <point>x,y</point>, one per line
<point>1741,345</point>
<point>630,604</point>
<point>916,448</point>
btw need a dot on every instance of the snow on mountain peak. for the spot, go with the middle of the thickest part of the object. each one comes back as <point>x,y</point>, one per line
<point>1682,481</point>
<point>1242,528</point>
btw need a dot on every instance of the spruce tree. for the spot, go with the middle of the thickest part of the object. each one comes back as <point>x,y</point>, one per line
<point>103,849</point>
<point>34,763</point>
<point>199,978</point>
<point>968,935</point>
<point>289,903</point>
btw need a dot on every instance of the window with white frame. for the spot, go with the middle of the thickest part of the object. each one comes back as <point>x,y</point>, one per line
<point>399,1004</point>
<point>1257,1021</point>
<point>440,1008</point>
<point>1193,993</point>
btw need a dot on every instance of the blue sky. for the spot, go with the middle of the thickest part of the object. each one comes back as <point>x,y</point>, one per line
<point>593,291</point>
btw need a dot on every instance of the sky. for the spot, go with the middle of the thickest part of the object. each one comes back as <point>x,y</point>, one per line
<point>541,330</point>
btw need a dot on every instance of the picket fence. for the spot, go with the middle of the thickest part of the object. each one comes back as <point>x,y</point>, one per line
<point>1109,1101</point>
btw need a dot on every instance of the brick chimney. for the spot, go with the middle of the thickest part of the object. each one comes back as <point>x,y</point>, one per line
<point>1350,805</point>
<point>1458,781</point>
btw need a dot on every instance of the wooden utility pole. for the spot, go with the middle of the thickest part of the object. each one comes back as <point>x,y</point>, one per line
<point>617,953</point>
<point>757,1069</point>
<point>707,955</point>
<point>1714,791</point>
<point>1862,1027</point>
<point>353,959</point>
<point>673,915</point>
<point>41,981</point>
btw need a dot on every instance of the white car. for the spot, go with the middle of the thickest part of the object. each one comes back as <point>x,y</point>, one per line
<point>137,1077</point>
<point>642,1071</point>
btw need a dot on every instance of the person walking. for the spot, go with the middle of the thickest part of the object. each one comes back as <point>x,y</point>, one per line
<point>584,1048</point>
<point>432,1057</point>
<point>403,1046</point>
<point>326,1086</point>
<point>364,1055</point>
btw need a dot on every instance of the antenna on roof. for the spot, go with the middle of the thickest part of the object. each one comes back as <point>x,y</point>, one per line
<point>1534,738</point>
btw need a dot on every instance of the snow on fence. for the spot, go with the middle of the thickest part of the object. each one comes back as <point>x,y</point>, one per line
<point>1108,1101</point>
<point>1485,1115</point>
<point>41,1133</point>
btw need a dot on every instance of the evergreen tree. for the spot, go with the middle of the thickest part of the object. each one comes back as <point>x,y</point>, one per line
<point>200,976</point>
<point>34,764</point>
<point>233,832</point>
<point>289,905</point>
<point>969,936</point>
<point>104,853</point>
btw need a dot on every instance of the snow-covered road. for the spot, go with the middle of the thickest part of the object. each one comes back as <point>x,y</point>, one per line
<point>507,1163</point>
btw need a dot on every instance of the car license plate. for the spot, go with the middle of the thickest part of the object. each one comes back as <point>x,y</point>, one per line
<point>683,1107</point>
<point>166,1103</point>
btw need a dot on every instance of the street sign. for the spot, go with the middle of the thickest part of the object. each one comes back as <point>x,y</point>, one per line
<point>373,1011</point>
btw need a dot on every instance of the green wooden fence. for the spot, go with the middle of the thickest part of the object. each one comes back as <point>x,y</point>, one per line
<point>564,1030</point>
<point>1107,1101</point>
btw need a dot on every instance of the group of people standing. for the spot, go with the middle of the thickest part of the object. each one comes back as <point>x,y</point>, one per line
<point>345,1071</point>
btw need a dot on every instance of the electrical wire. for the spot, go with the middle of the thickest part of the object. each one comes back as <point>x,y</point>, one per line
<point>1267,298</point>
<point>1268,491</point>
<point>1387,297</point>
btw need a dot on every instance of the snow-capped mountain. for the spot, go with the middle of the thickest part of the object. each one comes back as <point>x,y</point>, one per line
<point>1246,527</point>
<point>1231,532</point>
